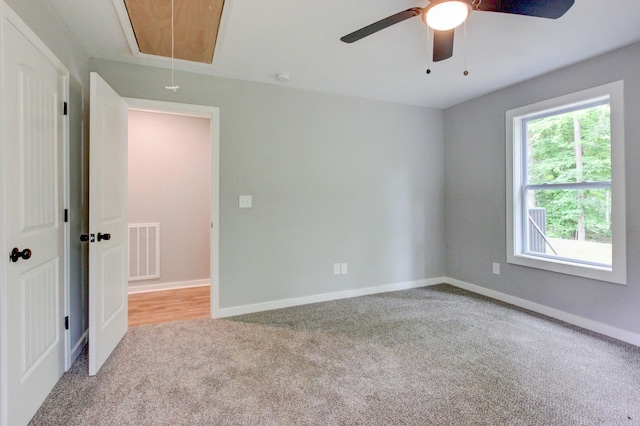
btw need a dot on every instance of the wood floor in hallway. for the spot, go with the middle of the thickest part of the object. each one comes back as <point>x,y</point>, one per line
<point>168,305</point>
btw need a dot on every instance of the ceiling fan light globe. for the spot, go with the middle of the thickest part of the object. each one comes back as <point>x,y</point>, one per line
<point>446,15</point>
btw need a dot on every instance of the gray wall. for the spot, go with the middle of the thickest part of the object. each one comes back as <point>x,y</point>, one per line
<point>170,183</point>
<point>333,179</point>
<point>475,194</point>
<point>40,17</point>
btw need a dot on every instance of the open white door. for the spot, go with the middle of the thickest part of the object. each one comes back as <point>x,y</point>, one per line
<point>108,305</point>
<point>33,352</point>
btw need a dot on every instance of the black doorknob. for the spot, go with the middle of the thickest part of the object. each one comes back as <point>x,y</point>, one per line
<point>102,236</point>
<point>84,237</point>
<point>16,254</point>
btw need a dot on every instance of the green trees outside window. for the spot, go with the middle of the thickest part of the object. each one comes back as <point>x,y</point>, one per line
<point>562,150</point>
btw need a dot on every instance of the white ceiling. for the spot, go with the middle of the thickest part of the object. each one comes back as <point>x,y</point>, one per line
<point>259,39</point>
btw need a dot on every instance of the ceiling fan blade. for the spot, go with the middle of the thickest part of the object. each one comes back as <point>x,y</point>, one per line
<point>381,24</point>
<point>552,9</point>
<point>442,45</point>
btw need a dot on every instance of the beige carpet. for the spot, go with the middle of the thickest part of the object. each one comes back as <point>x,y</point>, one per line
<point>430,356</point>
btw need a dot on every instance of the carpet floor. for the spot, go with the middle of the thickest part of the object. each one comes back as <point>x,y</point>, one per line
<point>430,356</point>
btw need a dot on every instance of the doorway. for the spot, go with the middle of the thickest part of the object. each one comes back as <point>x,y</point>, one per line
<point>173,202</point>
<point>108,224</point>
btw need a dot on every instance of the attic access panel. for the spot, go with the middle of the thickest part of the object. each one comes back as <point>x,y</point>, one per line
<point>196,24</point>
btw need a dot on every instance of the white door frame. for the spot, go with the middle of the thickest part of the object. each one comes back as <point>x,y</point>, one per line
<point>212,113</point>
<point>7,13</point>
<point>3,238</point>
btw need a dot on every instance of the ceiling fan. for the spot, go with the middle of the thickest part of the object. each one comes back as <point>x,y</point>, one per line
<point>445,15</point>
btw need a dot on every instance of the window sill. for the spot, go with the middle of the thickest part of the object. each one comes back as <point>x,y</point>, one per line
<point>563,267</point>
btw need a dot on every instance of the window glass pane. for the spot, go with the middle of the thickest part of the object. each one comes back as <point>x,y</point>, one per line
<point>569,147</point>
<point>570,223</point>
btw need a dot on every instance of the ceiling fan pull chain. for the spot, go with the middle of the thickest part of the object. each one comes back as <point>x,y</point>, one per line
<point>466,72</point>
<point>428,53</point>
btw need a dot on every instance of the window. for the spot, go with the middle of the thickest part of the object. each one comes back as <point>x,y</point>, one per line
<point>565,184</point>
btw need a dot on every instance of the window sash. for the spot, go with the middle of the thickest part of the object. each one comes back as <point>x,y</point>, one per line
<point>525,187</point>
<point>524,233</point>
<point>524,123</point>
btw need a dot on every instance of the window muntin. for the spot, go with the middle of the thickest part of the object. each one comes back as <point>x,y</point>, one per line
<point>576,195</point>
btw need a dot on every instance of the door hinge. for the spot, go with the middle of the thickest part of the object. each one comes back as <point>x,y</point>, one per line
<point>66,215</point>
<point>66,322</point>
<point>64,108</point>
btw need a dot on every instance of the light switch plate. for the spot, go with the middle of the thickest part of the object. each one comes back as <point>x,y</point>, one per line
<point>245,202</point>
<point>343,268</point>
<point>496,268</point>
<point>336,269</point>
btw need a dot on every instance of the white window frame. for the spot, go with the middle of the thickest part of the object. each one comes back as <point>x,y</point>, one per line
<point>617,273</point>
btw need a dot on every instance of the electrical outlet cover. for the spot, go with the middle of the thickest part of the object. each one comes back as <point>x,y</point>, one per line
<point>336,269</point>
<point>245,202</point>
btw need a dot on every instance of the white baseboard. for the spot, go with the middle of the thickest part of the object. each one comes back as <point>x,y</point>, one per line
<point>325,297</point>
<point>77,348</point>
<point>145,288</point>
<point>607,330</point>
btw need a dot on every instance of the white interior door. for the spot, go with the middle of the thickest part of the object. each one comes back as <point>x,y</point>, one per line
<point>34,132</point>
<point>108,259</point>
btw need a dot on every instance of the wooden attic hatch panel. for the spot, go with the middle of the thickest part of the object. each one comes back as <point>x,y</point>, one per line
<point>196,24</point>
